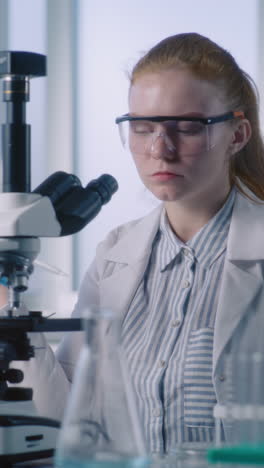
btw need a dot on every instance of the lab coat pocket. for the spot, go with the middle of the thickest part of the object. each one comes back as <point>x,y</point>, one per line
<point>199,394</point>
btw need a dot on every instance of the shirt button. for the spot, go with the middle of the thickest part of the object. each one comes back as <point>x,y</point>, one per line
<point>162,363</point>
<point>186,284</point>
<point>156,412</point>
<point>185,252</point>
<point>175,323</point>
<point>221,378</point>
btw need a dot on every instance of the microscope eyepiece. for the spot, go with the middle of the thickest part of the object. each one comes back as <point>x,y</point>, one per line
<point>57,186</point>
<point>106,185</point>
<point>76,206</point>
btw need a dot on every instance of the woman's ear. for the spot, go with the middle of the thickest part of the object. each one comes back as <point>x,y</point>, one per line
<point>241,135</point>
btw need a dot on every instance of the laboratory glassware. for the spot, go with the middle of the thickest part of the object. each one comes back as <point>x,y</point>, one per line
<point>101,427</point>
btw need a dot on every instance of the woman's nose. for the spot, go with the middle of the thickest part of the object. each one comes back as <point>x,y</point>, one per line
<point>162,147</point>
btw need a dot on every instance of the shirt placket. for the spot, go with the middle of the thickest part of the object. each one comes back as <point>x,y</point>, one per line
<point>176,327</point>
<point>189,261</point>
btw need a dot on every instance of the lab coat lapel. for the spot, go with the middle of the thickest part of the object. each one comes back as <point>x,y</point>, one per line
<point>130,256</point>
<point>239,288</point>
<point>242,276</point>
<point>118,290</point>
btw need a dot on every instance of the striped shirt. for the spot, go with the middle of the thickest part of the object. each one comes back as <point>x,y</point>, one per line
<point>168,333</point>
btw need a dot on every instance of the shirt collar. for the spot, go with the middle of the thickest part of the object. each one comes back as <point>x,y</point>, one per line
<point>169,244</point>
<point>210,242</point>
<point>206,245</point>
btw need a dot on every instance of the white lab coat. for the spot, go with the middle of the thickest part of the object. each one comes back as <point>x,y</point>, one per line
<point>115,274</point>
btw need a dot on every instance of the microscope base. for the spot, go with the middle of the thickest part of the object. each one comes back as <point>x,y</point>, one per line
<point>26,438</point>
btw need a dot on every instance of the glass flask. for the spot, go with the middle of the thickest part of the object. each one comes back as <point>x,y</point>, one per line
<point>243,411</point>
<point>101,426</point>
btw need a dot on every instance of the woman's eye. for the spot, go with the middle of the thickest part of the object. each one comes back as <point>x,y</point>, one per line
<point>190,128</point>
<point>140,127</point>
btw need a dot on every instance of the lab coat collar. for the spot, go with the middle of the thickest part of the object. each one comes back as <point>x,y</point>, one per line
<point>245,242</point>
<point>137,242</point>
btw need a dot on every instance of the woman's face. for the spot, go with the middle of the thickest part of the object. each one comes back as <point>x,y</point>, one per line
<point>170,174</point>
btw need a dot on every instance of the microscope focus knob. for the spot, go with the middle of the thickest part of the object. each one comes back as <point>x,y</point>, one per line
<point>14,375</point>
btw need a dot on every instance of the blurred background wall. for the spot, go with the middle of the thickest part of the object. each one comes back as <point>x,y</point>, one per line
<point>90,45</point>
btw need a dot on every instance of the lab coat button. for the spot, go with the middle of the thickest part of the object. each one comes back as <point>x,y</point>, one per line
<point>221,378</point>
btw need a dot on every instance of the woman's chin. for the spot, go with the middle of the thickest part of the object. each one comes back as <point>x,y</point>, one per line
<point>166,193</point>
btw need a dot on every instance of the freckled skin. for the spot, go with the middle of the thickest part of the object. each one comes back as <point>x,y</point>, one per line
<point>177,92</point>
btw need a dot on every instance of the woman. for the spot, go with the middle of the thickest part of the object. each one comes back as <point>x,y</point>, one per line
<point>191,271</point>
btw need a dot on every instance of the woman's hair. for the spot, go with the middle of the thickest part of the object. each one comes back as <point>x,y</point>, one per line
<point>207,60</point>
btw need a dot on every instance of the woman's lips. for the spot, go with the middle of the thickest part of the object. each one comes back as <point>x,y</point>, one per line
<point>164,176</point>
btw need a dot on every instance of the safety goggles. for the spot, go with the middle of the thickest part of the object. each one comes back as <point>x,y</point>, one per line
<point>186,135</point>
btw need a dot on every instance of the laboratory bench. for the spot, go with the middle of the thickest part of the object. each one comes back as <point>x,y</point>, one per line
<point>191,462</point>
<point>44,463</point>
<point>179,458</point>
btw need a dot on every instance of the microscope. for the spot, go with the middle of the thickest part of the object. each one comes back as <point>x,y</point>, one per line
<point>59,206</point>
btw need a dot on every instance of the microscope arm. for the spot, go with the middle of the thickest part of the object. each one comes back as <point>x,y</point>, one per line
<point>27,215</point>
